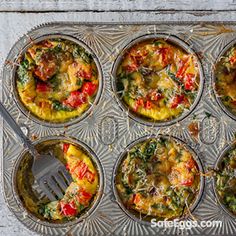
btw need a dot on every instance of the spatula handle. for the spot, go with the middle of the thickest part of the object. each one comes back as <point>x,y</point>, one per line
<point>16,128</point>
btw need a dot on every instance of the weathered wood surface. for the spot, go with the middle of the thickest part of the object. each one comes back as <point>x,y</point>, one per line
<point>115,5</point>
<point>13,25</point>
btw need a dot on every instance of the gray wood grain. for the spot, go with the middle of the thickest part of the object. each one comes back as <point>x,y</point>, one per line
<point>115,5</point>
<point>13,25</point>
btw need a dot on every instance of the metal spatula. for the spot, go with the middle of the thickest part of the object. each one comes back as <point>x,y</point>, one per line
<point>50,173</point>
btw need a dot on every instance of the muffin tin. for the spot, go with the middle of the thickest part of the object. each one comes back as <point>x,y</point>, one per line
<point>107,130</point>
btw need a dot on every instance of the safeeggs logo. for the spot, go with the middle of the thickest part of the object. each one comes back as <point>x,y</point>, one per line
<point>185,224</point>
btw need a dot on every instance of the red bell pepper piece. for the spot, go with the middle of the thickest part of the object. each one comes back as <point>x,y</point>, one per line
<point>75,99</point>
<point>47,44</point>
<point>189,81</point>
<point>84,74</point>
<point>90,176</point>
<point>131,68</point>
<point>81,170</point>
<point>188,182</point>
<point>138,103</point>
<point>155,96</point>
<point>68,209</point>
<point>164,52</point>
<point>65,147</point>
<point>182,69</point>
<point>190,164</point>
<point>89,88</point>
<point>232,60</point>
<point>137,198</point>
<point>177,100</point>
<point>83,197</point>
<point>42,87</point>
<point>148,105</point>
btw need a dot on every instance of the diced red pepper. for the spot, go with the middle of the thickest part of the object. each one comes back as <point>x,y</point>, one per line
<point>90,176</point>
<point>189,81</point>
<point>89,88</point>
<point>190,164</point>
<point>131,68</point>
<point>182,69</point>
<point>155,96</point>
<point>188,182</point>
<point>138,103</point>
<point>32,52</point>
<point>67,166</point>
<point>84,74</point>
<point>164,52</point>
<point>138,56</point>
<point>81,170</point>
<point>84,197</point>
<point>65,147</point>
<point>232,60</point>
<point>42,87</point>
<point>75,99</point>
<point>47,44</point>
<point>177,100</point>
<point>68,209</point>
<point>148,105</point>
<point>85,194</point>
<point>137,198</point>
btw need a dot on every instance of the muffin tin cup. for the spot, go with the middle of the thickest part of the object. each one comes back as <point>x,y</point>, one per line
<point>33,117</point>
<point>120,159</point>
<point>175,41</point>
<point>213,78</point>
<point>88,213</point>
<point>216,167</point>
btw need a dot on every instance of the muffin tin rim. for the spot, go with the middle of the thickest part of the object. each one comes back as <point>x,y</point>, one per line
<point>175,40</point>
<point>98,197</point>
<point>218,161</point>
<point>225,49</point>
<point>27,113</point>
<point>121,156</point>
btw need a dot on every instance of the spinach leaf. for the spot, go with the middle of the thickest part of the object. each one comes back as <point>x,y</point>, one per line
<point>150,149</point>
<point>54,82</point>
<point>159,206</point>
<point>59,106</point>
<point>80,52</point>
<point>173,77</point>
<point>23,74</point>
<point>45,211</point>
<point>157,43</point>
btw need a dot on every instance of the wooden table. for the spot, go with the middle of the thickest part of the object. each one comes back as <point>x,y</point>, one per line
<point>19,16</point>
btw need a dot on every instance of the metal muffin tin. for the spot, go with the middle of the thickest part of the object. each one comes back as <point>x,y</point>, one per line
<point>123,155</point>
<point>218,99</point>
<point>108,129</point>
<point>217,167</point>
<point>174,41</point>
<point>14,76</point>
<point>98,196</point>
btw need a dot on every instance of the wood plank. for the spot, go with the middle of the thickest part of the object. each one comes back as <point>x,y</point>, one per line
<point>116,5</point>
<point>19,23</point>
